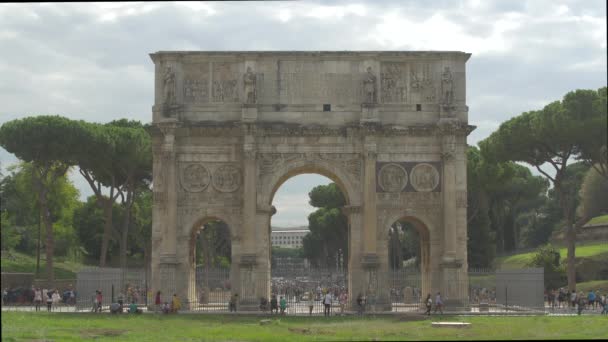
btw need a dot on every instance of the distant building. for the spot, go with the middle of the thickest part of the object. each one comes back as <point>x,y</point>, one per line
<point>290,237</point>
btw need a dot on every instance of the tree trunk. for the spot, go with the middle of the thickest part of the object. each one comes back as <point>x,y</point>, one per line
<point>107,231</point>
<point>50,242</point>
<point>38,242</point>
<point>125,230</point>
<point>571,245</point>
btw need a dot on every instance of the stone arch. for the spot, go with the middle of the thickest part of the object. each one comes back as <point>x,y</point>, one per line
<point>424,227</point>
<point>191,223</point>
<point>194,227</point>
<point>345,182</point>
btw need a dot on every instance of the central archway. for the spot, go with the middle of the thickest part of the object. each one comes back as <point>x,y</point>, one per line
<point>309,242</point>
<point>316,278</point>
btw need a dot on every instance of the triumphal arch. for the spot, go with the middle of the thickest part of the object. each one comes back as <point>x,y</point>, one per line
<point>389,128</point>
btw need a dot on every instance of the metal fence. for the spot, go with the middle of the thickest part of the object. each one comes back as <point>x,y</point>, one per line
<point>302,291</point>
<point>115,285</point>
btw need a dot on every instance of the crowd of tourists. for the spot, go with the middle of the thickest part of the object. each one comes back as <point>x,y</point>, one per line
<point>37,296</point>
<point>562,298</point>
<point>327,297</point>
<point>479,294</point>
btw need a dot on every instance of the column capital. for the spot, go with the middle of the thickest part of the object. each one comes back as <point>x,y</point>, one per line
<point>247,260</point>
<point>370,260</point>
<point>351,209</point>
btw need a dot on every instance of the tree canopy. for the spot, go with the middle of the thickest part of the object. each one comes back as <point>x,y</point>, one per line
<point>553,136</point>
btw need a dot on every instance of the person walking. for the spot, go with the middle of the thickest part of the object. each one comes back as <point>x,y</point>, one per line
<point>591,299</point>
<point>176,304</point>
<point>580,302</point>
<point>573,300</point>
<point>37,298</point>
<point>283,304</point>
<point>343,298</point>
<point>311,303</point>
<point>56,298</point>
<point>157,302</point>
<point>428,302</point>
<point>360,304</point>
<point>438,303</point>
<point>99,301</point>
<point>274,306</point>
<point>232,303</point>
<point>49,301</point>
<point>327,304</point>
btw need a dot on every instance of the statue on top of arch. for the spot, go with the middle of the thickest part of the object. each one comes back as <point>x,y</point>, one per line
<point>249,83</point>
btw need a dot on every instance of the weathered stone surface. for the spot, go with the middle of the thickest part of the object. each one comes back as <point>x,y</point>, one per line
<point>230,127</point>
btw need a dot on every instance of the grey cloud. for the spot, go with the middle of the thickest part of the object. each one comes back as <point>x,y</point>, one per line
<point>62,59</point>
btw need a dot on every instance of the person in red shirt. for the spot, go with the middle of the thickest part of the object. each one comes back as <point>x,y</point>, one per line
<point>157,301</point>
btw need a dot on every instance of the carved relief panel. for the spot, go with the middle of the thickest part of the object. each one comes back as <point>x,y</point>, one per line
<point>209,184</point>
<point>408,177</point>
<point>194,177</point>
<point>424,177</point>
<point>394,82</point>
<point>392,178</point>
<point>422,83</point>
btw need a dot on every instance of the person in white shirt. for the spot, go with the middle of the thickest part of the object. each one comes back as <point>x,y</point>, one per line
<point>56,298</point>
<point>327,303</point>
<point>37,298</point>
<point>311,302</point>
<point>438,303</point>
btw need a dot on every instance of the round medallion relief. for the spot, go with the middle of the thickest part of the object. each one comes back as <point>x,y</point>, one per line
<point>392,178</point>
<point>227,178</point>
<point>195,178</point>
<point>424,177</point>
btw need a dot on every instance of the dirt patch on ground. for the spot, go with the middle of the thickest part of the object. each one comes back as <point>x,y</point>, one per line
<point>299,330</point>
<point>411,318</point>
<point>93,333</point>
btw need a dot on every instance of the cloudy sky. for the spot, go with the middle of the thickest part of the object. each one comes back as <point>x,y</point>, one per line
<point>90,61</point>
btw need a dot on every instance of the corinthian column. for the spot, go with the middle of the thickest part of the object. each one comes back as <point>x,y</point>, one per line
<point>449,197</point>
<point>169,167</point>
<point>369,199</point>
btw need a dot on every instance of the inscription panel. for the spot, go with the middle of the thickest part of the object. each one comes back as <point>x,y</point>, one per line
<point>196,83</point>
<point>224,85</point>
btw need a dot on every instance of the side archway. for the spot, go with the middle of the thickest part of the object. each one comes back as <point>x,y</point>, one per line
<point>408,286</point>
<point>210,278</point>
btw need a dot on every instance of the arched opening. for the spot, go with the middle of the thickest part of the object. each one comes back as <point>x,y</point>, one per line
<point>408,259</point>
<point>309,239</point>
<point>211,261</point>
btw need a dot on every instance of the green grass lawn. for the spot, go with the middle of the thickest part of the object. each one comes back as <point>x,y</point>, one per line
<point>22,263</point>
<point>585,251</point>
<point>149,327</point>
<point>599,219</point>
<point>601,285</point>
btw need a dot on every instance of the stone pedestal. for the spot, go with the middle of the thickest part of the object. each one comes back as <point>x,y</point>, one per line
<point>454,285</point>
<point>249,113</point>
<point>408,295</point>
<point>369,113</point>
<point>253,283</point>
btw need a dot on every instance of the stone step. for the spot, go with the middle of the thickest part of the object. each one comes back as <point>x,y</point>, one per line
<point>450,324</point>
